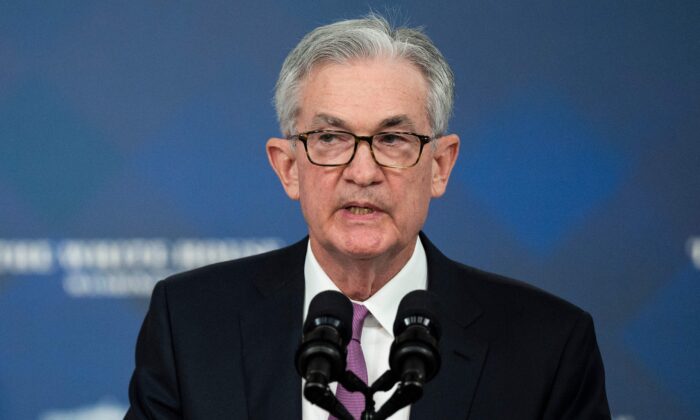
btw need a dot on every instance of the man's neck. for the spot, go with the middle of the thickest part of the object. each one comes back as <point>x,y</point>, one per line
<point>360,278</point>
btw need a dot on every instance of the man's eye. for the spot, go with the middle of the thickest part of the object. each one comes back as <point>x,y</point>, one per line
<point>327,137</point>
<point>392,139</point>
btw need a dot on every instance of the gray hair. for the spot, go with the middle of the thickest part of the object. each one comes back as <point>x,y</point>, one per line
<point>369,37</point>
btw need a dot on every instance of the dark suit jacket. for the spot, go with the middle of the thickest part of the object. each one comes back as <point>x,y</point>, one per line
<point>218,343</point>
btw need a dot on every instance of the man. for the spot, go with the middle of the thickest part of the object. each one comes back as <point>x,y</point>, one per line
<point>364,110</point>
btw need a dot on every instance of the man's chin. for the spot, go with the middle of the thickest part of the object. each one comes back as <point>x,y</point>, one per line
<point>364,246</point>
<point>359,242</point>
<point>359,253</point>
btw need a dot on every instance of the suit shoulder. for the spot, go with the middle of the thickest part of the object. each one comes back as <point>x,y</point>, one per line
<point>489,289</point>
<point>520,314</point>
<point>503,287</point>
<point>501,291</point>
<point>240,273</point>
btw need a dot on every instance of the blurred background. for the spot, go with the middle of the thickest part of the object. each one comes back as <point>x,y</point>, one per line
<point>132,146</point>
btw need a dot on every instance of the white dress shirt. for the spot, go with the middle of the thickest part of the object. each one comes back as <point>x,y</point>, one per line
<point>377,332</point>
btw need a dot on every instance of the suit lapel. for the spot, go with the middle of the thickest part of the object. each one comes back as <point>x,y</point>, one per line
<point>270,333</point>
<point>450,394</point>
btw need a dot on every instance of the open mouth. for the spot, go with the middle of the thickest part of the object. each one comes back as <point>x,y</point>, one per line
<point>359,210</point>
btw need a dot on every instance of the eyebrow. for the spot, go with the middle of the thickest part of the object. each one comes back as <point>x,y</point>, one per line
<point>397,120</point>
<point>326,119</point>
<point>393,121</point>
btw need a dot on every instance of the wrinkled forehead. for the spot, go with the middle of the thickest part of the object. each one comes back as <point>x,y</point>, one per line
<point>367,93</point>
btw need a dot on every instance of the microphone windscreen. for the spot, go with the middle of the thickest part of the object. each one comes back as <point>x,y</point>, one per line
<point>417,306</point>
<point>331,304</point>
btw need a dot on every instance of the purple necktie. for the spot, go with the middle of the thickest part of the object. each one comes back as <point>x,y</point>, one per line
<point>354,401</point>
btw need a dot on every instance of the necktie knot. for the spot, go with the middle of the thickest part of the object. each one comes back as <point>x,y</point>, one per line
<point>359,313</point>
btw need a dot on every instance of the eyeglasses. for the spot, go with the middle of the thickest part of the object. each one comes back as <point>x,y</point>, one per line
<point>337,148</point>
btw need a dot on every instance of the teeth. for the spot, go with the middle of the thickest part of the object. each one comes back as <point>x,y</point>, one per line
<point>360,210</point>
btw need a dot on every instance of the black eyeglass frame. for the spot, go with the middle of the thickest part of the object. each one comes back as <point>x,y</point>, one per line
<point>303,137</point>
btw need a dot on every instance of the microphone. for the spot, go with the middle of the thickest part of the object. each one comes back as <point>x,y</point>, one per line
<point>414,355</point>
<point>414,358</point>
<point>321,356</point>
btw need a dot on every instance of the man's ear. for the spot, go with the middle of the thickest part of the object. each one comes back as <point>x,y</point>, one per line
<point>280,153</point>
<point>444,158</point>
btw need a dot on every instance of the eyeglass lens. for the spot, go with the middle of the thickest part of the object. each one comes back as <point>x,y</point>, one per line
<point>336,148</point>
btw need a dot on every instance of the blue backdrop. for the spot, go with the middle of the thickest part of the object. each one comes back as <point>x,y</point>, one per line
<point>132,145</point>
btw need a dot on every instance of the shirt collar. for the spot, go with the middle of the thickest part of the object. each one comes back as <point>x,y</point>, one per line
<point>383,304</point>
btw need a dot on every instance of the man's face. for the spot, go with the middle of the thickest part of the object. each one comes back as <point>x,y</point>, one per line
<point>363,210</point>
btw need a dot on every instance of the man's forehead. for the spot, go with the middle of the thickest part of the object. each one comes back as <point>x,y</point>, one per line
<point>378,93</point>
<point>327,119</point>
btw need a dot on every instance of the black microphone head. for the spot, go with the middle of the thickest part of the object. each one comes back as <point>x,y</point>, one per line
<point>414,355</point>
<point>417,307</point>
<point>330,307</point>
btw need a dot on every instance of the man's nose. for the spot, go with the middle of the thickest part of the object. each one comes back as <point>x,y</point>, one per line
<point>363,169</point>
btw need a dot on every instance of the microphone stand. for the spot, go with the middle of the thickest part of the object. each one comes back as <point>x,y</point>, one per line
<point>320,394</point>
<point>407,393</point>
